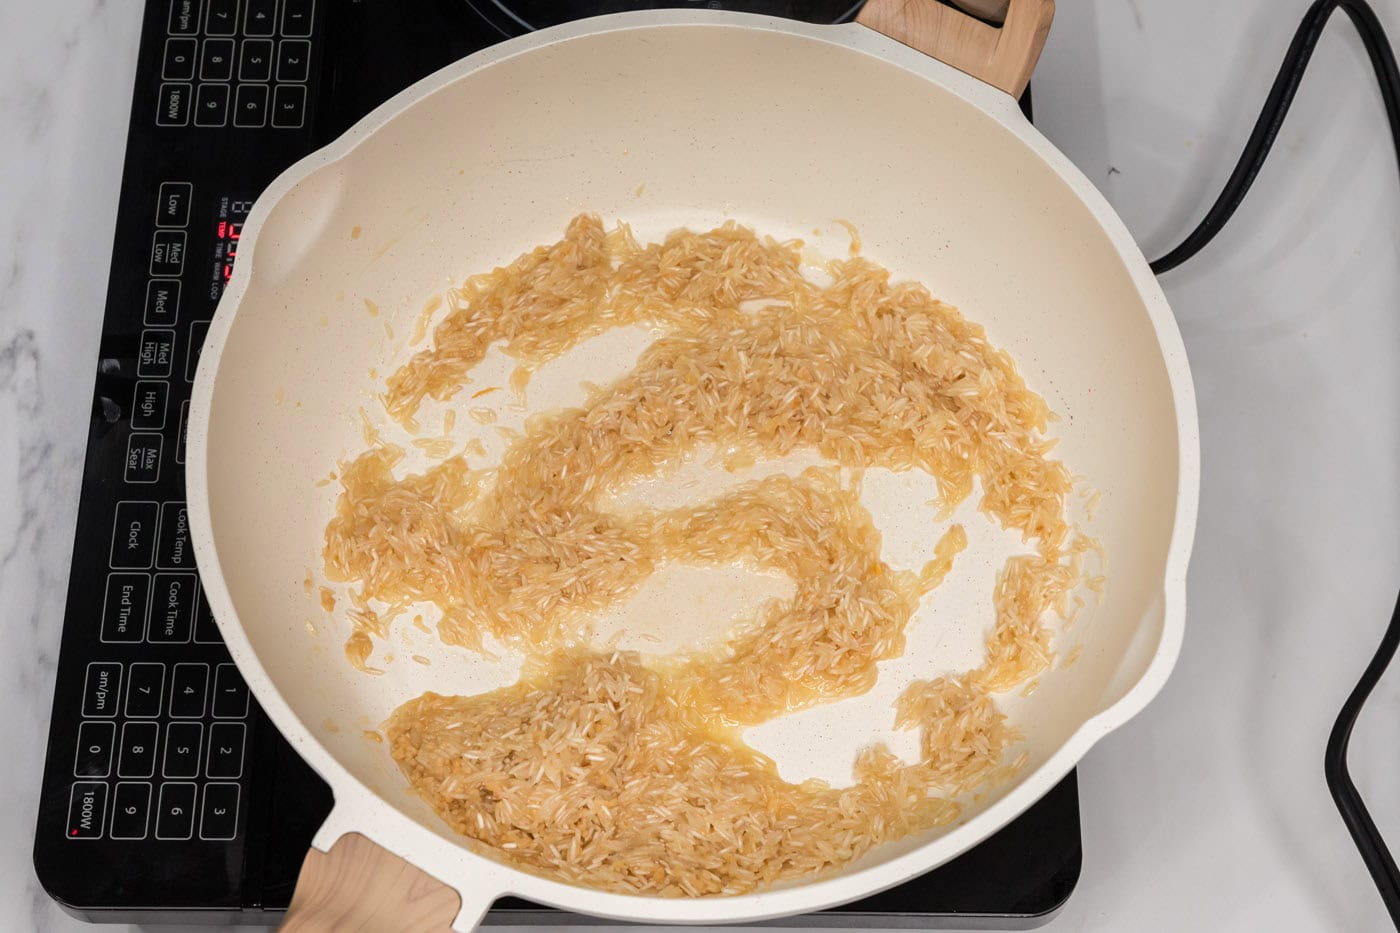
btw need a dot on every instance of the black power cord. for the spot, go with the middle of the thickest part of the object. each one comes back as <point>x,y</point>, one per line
<point>1290,75</point>
<point>1353,809</point>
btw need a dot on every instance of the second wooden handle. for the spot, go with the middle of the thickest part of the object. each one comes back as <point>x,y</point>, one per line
<point>1004,56</point>
<point>363,887</point>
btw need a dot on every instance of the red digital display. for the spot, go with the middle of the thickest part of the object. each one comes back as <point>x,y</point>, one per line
<point>227,239</point>
<point>228,231</point>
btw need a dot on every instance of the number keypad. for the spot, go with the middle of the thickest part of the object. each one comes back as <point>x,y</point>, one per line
<point>242,65</point>
<point>135,775</point>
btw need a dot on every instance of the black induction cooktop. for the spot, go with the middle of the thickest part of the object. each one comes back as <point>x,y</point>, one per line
<point>167,795</point>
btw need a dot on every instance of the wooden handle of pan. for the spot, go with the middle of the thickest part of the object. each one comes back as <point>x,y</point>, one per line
<point>993,11</point>
<point>1003,56</point>
<point>361,886</point>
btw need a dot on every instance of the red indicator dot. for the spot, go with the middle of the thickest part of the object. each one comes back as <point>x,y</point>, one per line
<point>72,832</point>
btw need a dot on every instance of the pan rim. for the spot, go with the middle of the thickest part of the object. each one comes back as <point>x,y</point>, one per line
<point>358,809</point>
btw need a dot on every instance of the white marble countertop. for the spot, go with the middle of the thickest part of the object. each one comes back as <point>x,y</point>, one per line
<point>1207,812</point>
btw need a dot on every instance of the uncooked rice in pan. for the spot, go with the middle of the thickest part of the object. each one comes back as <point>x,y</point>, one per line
<point>628,773</point>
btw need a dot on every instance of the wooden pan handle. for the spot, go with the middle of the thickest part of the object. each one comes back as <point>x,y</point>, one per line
<point>361,886</point>
<point>1004,56</point>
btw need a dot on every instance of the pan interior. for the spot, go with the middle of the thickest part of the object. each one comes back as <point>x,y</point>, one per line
<point>665,127</point>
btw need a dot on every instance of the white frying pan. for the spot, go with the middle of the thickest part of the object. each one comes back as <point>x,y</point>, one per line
<point>668,119</point>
